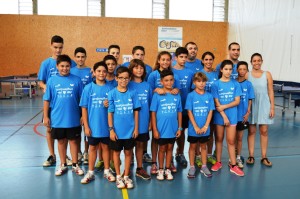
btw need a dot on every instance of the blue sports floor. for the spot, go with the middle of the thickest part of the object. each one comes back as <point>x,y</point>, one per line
<point>23,149</point>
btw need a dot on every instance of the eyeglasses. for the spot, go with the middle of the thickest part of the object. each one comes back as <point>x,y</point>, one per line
<point>123,78</point>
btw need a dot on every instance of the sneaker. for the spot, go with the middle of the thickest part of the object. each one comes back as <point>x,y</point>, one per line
<point>168,174</point>
<point>206,172</point>
<point>62,169</point>
<point>80,157</point>
<point>100,165</point>
<point>77,170</point>
<point>181,159</point>
<point>173,168</point>
<point>128,183</point>
<point>191,173</point>
<point>217,166</point>
<point>160,174</point>
<point>120,184</point>
<point>237,171</point>
<point>143,174</point>
<point>109,176</point>
<point>87,178</point>
<point>147,158</point>
<point>112,167</point>
<point>239,163</point>
<point>69,161</point>
<point>198,162</point>
<point>85,158</point>
<point>154,169</point>
<point>50,161</point>
<point>211,160</point>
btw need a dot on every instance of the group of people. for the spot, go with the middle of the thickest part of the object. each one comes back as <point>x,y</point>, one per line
<point>118,106</point>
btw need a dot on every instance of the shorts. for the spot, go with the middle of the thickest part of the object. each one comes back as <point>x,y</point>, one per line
<point>68,133</point>
<point>240,126</point>
<point>194,139</point>
<point>119,145</point>
<point>144,137</point>
<point>95,141</point>
<point>185,121</point>
<point>163,141</point>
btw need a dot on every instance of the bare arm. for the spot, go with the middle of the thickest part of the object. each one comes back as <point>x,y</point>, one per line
<point>271,94</point>
<point>154,127</point>
<point>42,85</point>
<point>234,103</point>
<point>46,112</point>
<point>179,117</point>
<point>112,134</point>
<point>136,124</point>
<point>84,117</point>
<point>224,116</point>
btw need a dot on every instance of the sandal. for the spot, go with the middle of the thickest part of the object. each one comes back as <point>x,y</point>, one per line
<point>250,160</point>
<point>266,162</point>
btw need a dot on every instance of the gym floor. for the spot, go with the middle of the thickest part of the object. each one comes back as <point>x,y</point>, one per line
<point>23,149</point>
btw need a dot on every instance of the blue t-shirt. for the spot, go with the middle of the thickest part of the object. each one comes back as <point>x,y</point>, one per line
<point>122,105</point>
<point>112,83</point>
<point>166,107</point>
<point>212,77</point>
<point>195,66</point>
<point>83,73</point>
<point>148,69</point>
<point>226,92</point>
<point>47,69</point>
<point>92,99</point>
<point>63,94</point>
<point>185,79</point>
<point>247,94</point>
<point>234,73</point>
<point>144,93</point>
<point>200,105</point>
<point>154,80</point>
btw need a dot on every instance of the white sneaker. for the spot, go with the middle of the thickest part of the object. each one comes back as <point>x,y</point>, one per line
<point>109,176</point>
<point>168,174</point>
<point>128,183</point>
<point>61,170</point>
<point>50,161</point>
<point>85,158</point>
<point>68,161</point>
<point>239,163</point>
<point>77,170</point>
<point>88,178</point>
<point>160,174</point>
<point>120,184</point>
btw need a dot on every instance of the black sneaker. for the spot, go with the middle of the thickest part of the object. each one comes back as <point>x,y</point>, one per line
<point>143,174</point>
<point>50,161</point>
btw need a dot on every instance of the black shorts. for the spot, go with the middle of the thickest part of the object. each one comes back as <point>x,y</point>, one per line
<point>119,145</point>
<point>144,137</point>
<point>68,133</point>
<point>95,141</point>
<point>185,121</point>
<point>240,126</point>
<point>163,141</point>
<point>194,139</point>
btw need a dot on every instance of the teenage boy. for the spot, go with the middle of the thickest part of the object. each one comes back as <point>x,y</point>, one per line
<point>185,78</point>
<point>114,50</point>
<point>63,95</point>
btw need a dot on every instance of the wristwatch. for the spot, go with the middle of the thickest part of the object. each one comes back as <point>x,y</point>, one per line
<point>180,128</point>
<point>110,128</point>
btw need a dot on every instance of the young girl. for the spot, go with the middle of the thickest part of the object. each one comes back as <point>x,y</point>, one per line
<point>94,105</point>
<point>144,92</point>
<point>263,109</point>
<point>243,109</point>
<point>200,106</point>
<point>163,62</point>
<point>226,93</point>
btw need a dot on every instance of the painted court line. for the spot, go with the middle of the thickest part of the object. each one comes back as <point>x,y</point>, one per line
<point>36,131</point>
<point>125,194</point>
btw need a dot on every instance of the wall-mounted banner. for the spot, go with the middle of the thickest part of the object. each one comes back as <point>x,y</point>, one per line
<point>169,38</point>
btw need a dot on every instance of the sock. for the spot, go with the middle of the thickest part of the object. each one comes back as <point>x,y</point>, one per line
<point>233,165</point>
<point>139,168</point>
<point>198,156</point>
<point>238,157</point>
<point>154,162</point>
<point>192,166</point>
<point>204,165</point>
<point>106,171</point>
<point>144,152</point>
<point>91,172</point>
<point>65,164</point>
<point>118,176</point>
<point>126,177</point>
<point>74,164</point>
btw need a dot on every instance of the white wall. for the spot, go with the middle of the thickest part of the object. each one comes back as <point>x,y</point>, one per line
<point>269,27</point>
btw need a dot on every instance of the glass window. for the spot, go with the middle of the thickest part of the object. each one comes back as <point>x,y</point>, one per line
<point>65,7</point>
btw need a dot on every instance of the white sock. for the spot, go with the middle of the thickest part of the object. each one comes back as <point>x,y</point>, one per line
<point>91,172</point>
<point>238,157</point>
<point>126,177</point>
<point>118,176</point>
<point>106,171</point>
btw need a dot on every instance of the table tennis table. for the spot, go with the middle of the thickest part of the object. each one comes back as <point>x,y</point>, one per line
<point>287,92</point>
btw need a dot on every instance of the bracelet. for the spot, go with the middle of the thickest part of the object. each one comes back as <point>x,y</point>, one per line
<point>180,128</point>
<point>110,128</point>
<point>205,127</point>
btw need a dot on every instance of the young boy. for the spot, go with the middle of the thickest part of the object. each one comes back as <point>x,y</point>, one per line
<point>63,95</point>
<point>123,114</point>
<point>199,106</point>
<point>166,123</point>
<point>185,78</point>
<point>84,73</point>
<point>114,50</point>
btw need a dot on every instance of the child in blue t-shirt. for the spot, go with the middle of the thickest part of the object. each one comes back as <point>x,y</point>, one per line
<point>185,78</point>
<point>111,63</point>
<point>226,93</point>
<point>166,121</point>
<point>62,95</point>
<point>144,92</point>
<point>244,108</point>
<point>199,106</point>
<point>94,104</point>
<point>123,121</point>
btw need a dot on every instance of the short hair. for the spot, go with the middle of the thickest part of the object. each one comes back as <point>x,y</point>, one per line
<point>110,57</point>
<point>200,76</point>
<point>79,50</point>
<point>138,48</point>
<point>242,63</point>
<point>123,69</point>
<point>181,50</point>
<point>232,43</point>
<point>191,42</point>
<point>156,66</point>
<point>137,62</point>
<point>57,39</point>
<point>63,58</point>
<point>255,54</point>
<point>166,73</point>
<point>113,46</point>
<point>98,64</point>
<point>208,53</point>
<point>224,63</point>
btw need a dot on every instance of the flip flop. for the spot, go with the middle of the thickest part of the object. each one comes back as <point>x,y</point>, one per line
<point>250,160</point>
<point>266,162</point>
